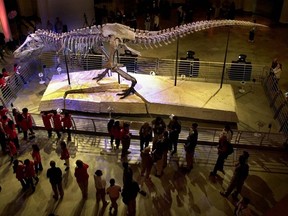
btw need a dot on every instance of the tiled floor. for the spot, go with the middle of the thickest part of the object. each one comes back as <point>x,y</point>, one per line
<point>176,193</point>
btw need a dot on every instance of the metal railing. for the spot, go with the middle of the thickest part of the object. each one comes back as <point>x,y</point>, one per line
<point>207,136</point>
<point>207,71</point>
<point>187,69</point>
<point>16,81</point>
<point>277,100</point>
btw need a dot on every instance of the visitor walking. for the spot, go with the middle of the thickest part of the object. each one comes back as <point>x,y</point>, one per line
<point>55,177</point>
<point>82,177</point>
<point>100,185</point>
<point>190,145</point>
<point>114,192</point>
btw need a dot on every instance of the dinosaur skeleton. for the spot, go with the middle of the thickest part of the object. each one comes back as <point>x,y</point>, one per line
<point>81,41</point>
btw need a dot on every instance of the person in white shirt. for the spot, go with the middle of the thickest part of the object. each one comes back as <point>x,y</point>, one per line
<point>100,185</point>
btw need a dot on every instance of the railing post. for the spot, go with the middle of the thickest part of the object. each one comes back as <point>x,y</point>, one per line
<point>94,125</point>
<point>279,109</point>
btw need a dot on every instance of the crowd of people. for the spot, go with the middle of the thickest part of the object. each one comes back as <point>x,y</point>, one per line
<point>163,138</point>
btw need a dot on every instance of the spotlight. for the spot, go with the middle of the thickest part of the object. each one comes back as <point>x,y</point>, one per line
<point>59,69</point>
<point>152,73</point>
<point>41,76</point>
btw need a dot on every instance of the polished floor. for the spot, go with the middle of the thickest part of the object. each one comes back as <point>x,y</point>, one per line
<point>176,192</point>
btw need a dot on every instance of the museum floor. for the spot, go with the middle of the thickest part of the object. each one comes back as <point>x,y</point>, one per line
<point>176,192</point>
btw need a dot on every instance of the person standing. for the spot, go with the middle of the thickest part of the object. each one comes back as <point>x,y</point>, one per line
<point>12,133</point>
<point>190,146</point>
<point>58,25</point>
<point>174,128</point>
<point>82,177</point>
<point>145,134</point>
<point>2,138</point>
<point>125,139</point>
<point>37,158</point>
<point>19,170</point>
<point>129,194</point>
<point>30,174</point>
<point>67,124</point>
<point>116,132</point>
<point>27,124</point>
<point>12,151</point>
<point>114,192</point>
<point>110,131</point>
<point>65,155</point>
<point>146,162</point>
<point>46,118</point>
<point>158,126</point>
<point>55,177</point>
<point>147,22</point>
<point>156,22</point>
<point>127,173</point>
<point>57,123</point>
<point>222,155</point>
<point>277,71</point>
<point>167,146</point>
<point>158,157</point>
<point>100,185</point>
<point>239,176</point>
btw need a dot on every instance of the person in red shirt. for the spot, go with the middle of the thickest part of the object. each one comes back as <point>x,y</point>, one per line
<point>65,155</point>
<point>116,132</point>
<point>3,82</point>
<point>26,124</point>
<point>19,170</point>
<point>125,139</point>
<point>16,114</point>
<point>67,124</point>
<point>57,123</point>
<point>5,121</point>
<point>37,158</point>
<point>30,174</point>
<point>12,134</point>
<point>3,111</point>
<point>2,138</point>
<point>82,177</point>
<point>5,72</point>
<point>46,117</point>
<point>12,151</point>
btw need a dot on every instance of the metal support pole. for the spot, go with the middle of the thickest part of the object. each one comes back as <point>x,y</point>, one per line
<point>224,64</point>
<point>176,65</point>
<point>67,70</point>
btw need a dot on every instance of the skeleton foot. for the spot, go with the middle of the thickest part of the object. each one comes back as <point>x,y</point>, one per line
<point>101,76</point>
<point>127,92</point>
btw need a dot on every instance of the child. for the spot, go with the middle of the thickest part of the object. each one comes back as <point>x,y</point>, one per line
<point>146,162</point>
<point>12,134</point>
<point>65,154</point>
<point>67,124</point>
<point>116,131</point>
<point>109,128</point>
<point>37,158</point>
<point>46,118</point>
<point>27,124</point>
<point>57,123</point>
<point>100,185</point>
<point>18,169</point>
<point>114,192</point>
<point>12,151</point>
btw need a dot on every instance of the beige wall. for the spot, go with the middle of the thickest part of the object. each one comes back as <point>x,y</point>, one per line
<point>69,11</point>
<point>284,13</point>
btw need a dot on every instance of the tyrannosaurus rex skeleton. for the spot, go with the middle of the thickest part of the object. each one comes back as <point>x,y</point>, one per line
<point>83,40</point>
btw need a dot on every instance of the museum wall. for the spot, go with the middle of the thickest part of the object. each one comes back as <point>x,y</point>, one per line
<point>70,12</point>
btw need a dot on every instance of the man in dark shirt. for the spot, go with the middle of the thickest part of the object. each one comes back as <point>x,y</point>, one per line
<point>55,176</point>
